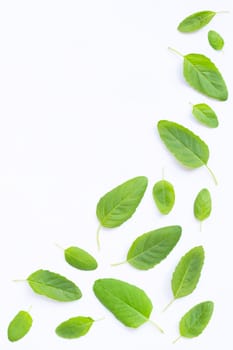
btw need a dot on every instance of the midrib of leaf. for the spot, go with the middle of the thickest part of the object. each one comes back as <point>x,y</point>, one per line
<point>52,287</point>
<point>181,283</point>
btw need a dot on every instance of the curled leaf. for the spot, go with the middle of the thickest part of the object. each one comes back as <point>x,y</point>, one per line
<point>216,41</point>
<point>205,114</point>
<point>164,196</point>
<point>202,205</point>
<point>195,21</point>
<point>19,326</point>
<point>80,259</point>
<point>75,327</point>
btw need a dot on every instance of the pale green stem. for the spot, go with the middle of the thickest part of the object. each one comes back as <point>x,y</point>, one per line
<point>169,304</point>
<point>175,51</point>
<point>176,340</point>
<point>98,236</point>
<point>212,174</point>
<point>99,319</point>
<point>30,308</point>
<point>219,12</point>
<point>200,226</point>
<point>157,326</point>
<point>19,280</point>
<point>163,171</point>
<point>57,245</point>
<point>120,263</point>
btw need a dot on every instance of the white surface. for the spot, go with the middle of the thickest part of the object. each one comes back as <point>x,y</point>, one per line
<point>82,87</point>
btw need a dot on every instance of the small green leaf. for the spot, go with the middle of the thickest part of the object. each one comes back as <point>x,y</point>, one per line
<point>19,326</point>
<point>205,115</point>
<point>164,196</point>
<point>75,327</point>
<point>118,205</point>
<point>202,205</point>
<point>152,247</point>
<point>215,40</point>
<point>128,303</point>
<point>187,272</point>
<point>53,285</point>
<point>80,259</point>
<point>196,319</point>
<point>186,147</point>
<point>195,21</point>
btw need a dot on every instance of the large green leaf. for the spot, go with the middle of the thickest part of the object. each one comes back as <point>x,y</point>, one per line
<point>202,74</point>
<point>80,259</point>
<point>118,205</point>
<point>19,326</point>
<point>195,21</point>
<point>128,303</point>
<point>152,247</point>
<point>187,147</point>
<point>202,205</point>
<point>187,272</point>
<point>75,327</point>
<point>53,286</point>
<point>205,114</point>
<point>196,319</point>
<point>164,196</point>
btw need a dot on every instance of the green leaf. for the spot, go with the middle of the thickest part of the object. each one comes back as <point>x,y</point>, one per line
<point>215,40</point>
<point>54,286</point>
<point>164,196</point>
<point>118,205</point>
<point>75,327</point>
<point>128,303</point>
<point>195,21</point>
<point>187,272</point>
<point>152,247</point>
<point>19,326</point>
<point>202,205</point>
<point>196,319</point>
<point>80,259</point>
<point>205,115</point>
<point>187,147</point>
<point>202,74</point>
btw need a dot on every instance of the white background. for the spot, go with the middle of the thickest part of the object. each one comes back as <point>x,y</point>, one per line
<point>82,87</point>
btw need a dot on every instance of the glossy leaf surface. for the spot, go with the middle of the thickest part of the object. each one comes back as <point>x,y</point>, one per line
<point>19,326</point>
<point>54,286</point>
<point>187,272</point>
<point>75,327</point>
<point>202,205</point>
<point>152,247</point>
<point>164,196</point>
<point>195,21</point>
<point>118,205</point>
<point>205,114</point>
<point>80,259</point>
<point>128,303</point>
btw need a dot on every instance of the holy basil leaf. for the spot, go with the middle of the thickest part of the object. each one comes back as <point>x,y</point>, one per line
<point>75,327</point>
<point>202,205</point>
<point>128,303</point>
<point>80,259</point>
<point>202,74</point>
<point>118,205</point>
<point>53,285</point>
<point>196,319</point>
<point>205,115</point>
<point>187,147</point>
<point>196,21</point>
<point>187,272</point>
<point>19,326</point>
<point>152,247</point>
<point>164,196</point>
<point>215,40</point>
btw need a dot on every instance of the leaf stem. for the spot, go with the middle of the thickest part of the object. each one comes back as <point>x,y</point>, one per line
<point>157,326</point>
<point>224,11</point>
<point>169,304</point>
<point>57,245</point>
<point>175,51</point>
<point>212,174</point>
<point>99,319</point>
<point>176,340</point>
<point>98,236</point>
<point>19,280</point>
<point>200,226</point>
<point>120,263</point>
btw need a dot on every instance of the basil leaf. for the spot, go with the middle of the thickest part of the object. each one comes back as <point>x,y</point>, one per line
<point>215,40</point>
<point>152,247</point>
<point>53,285</point>
<point>164,196</point>
<point>19,326</point>
<point>187,272</point>
<point>118,205</point>
<point>80,259</point>
<point>195,21</point>
<point>128,303</point>
<point>196,319</point>
<point>202,74</point>
<point>205,115</point>
<point>202,205</point>
<point>75,327</point>
<point>187,147</point>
